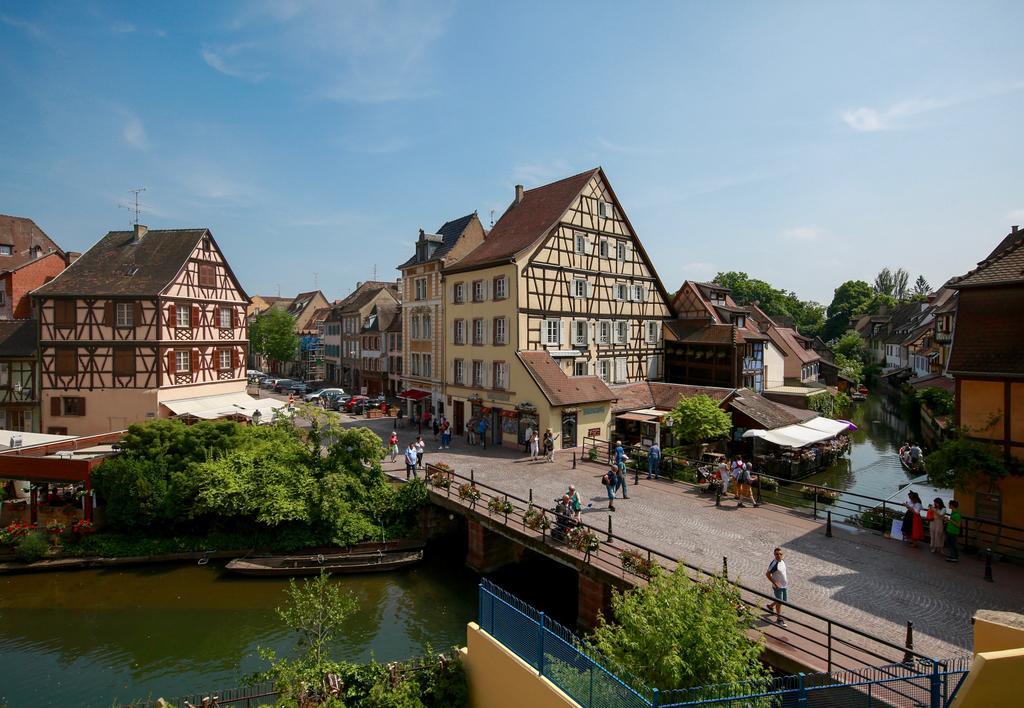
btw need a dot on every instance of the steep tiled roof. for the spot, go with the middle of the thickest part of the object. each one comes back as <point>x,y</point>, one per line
<point>685,331</point>
<point>117,265</point>
<point>349,302</point>
<point>1005,265</point>
<point>300,301</point>
<point>449,233</point>
<point>768,414</point>
<point>663,396</point>
<point>396,320</point>
<point>525,223</point>
<point>18,338</point>
<point>560,389</point>
<point>22,235</point>
<point>988,338</point>
<point>788,340</point>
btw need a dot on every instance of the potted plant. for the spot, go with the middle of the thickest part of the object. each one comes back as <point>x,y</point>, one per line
<point>469,492</point>
<point>440,479</point>
<point>83,527</point>
<point>499,506</point>
<point>536,519</point>
<point>633,562</point>
<point>582,539</point>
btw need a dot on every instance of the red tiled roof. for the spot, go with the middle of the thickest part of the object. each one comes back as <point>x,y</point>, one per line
<point>787,339</point>
<point>22,235</point>
<point>988,339</point>
<point>559,389</point>
<point>663,396</point>
<point>525,223</point>
<point>1004,265</point>
<point>768,414</point>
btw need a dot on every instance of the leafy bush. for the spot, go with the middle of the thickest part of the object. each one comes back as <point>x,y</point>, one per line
<point>959,461</point>
<point>699,419</point>
<point>31,548</point>
<point>938,400</point>
<point>829,404</point>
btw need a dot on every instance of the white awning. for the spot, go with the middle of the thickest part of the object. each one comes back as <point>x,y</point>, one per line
<point>801,434</point>
<point>224,406</point>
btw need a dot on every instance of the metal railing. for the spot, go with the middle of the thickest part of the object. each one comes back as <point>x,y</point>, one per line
<point>257,694</point>
<point>591,679</point>
<point>819,501</point>
<point>834,645</point>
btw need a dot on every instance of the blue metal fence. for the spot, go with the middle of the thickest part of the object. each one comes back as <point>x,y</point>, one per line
<point>592,680</point>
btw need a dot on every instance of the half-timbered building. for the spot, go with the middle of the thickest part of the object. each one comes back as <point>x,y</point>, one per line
<point>139,326</point>
<point>559,301</point>
<point>19,373</point>
<point>28,258</point>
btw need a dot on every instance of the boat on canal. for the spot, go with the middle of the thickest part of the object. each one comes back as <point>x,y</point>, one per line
<point>360,558</point>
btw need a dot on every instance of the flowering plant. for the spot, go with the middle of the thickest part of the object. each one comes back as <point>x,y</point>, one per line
<point>499,506</point>
<point>536,519</point>
<point>468,490</point>
<point>440,479</point>
<point>633,562</point>
<point>10,534</point>
<point>56,527</point>
<point>582,539</point>
<point>83,527</point>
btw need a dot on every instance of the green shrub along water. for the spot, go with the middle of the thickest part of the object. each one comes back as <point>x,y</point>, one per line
<point>179,488</point>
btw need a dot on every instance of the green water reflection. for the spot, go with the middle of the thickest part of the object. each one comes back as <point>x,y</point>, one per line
<point>89,637</point>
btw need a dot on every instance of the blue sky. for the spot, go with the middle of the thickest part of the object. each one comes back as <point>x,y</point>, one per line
<point>805,143</point>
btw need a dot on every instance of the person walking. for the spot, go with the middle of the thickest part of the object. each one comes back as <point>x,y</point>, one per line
<point>437,426</point>
<point>746,490</point>
<point>723,476</point>
<point>953,522</point>
<point>527,438</point>
<point>735,471</point>
<point>577,504</point>
<point>410,461</point>
<point>653,461</point>
<point>420,447</point>
<point>446,435</point>
<point>622,478</point>
<point>534,445</point>
<point>471,432</point>
<point>549,446</point>
<point>481,431</point>
<point>393,446</point>
<point>619,454</point>
<point>777,576</point>
<point>936,523</point>
<point>610,480</point>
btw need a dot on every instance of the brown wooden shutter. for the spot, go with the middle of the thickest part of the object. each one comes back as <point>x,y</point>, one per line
<point>137,314</point>
<point>195,360</point>
<point>81,410</point>
<point>172,366</point>
<point>108,314</point>
<point>172,315</point>
<point>234,316</point>
<point>195,317</point>
<point>55,406</point>
<point>234,358</point>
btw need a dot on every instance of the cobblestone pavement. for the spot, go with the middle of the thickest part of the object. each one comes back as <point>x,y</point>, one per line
<point>856,577</point>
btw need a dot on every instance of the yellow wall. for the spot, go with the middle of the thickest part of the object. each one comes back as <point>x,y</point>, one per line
<point>980,403</point>
<point>500,679</point>
<point>1012,491</point>
<point>998,662</point>
<point>1017,412</point>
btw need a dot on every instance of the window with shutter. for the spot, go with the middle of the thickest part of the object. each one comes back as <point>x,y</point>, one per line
<point>124,361</point>
<point>66,361</point>
<point>125,314</point>
<point>195,316</point>
<point>181,317</point>
<point>108,314</point>
<point>55,407</point>
<point>194,356</point>
<point>581,243</point>
<point>207,275</point>
<point>620,370</point>
<point>65,313</point>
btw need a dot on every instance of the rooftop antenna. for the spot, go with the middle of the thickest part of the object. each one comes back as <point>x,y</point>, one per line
<point>316,281</point>
<point>492,218</point>
<point>135,208</point>
<point>374,271</point>
<point>279,289</point>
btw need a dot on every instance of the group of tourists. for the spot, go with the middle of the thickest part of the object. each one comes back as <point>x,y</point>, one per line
<point>740,476</point>
<point>911,455</point>
<point>413,454</point>
<point>535,444</point>
<point>943,525</point>
<point>476,431</point>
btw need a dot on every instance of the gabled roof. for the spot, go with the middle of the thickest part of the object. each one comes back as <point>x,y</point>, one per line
<point>557,387</point>
<point>396,320</point>
<point>663,396</point>
<point>118,265</point>
<point>449,234</point>
<point>525,223</point>
<point>789,342</point>
<point>23,235</point>
<point>358,297</point>
<point>18,338</point>
<point>768,414</point>
<point>1004,266</point>
<point>301,301</point>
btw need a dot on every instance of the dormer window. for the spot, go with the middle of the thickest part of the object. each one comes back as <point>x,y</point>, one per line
<point>6,249</point>
<point>740,321</point>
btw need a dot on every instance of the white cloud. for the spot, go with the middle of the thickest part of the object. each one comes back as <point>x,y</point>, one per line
<point>223,60</point>
<point>870,120</point>
<point>536,174</point>
<point>364,51</point>
<point>1016,214</point>
<point>133,132</point>
<point>29,28</point>
<point>122,28</point>
<point>802,233</point>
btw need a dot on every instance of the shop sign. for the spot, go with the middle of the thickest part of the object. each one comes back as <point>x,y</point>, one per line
<point>484,410</point>
<point>510,414</point>
<point>526,407</point>
<point>593,432</point>
<point>593,410</point>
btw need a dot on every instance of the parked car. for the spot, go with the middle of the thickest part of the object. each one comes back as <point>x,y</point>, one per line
<point>352,402</point>
<point>269,382</point>
<point>279,384</point>
<point>294,387</point>
<point>320,392</point>
<point>336,401</point>
<point>368,404</point>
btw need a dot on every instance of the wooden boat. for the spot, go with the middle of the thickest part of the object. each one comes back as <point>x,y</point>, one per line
<point>911,467</point>
<point>361,558</point>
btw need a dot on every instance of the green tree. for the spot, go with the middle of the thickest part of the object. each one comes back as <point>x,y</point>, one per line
<point>699,419</point>
<point>808,316</point>
<point>850,367</point>
<point>849,345</point>
<point>677,633</point>
<point>900,287</point>
<point>921,287</point>
<point>875,304</point>
<point>829,404</point>
<point>884,282</point>
<point>939,400</point>
<point>846,302</point>
<point>960,461</point>
<point>272,333</point>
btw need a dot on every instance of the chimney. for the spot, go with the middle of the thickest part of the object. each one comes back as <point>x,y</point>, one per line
<point>73,256</point>
<point>519,193</point>
<point>1013,229</point>
<point>422,235</point>
<point>140,231</point>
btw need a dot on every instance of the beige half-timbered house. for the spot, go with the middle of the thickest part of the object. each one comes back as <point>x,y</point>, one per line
<point>559,301</point>
<point>140,327</point>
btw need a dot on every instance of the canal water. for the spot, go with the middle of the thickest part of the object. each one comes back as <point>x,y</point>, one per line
<point>872,467</point>
<point>105,637</point>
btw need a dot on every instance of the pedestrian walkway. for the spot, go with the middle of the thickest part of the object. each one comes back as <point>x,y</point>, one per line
<point>856,577</point>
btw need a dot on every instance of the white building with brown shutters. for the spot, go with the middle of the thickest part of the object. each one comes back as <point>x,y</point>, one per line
<point>146,324</point>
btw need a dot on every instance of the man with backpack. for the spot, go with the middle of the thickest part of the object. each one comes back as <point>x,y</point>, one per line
<point>653,461</point>
<point>610,480</point>
<point>746,490</point>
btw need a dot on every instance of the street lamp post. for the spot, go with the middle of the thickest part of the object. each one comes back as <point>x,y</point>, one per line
<point>256,415</point>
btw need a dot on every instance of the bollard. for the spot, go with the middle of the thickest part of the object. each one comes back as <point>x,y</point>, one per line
<point>908,657</point>
<point>718,497</point>
<point>636,471</point>
<point>828,525</point>
<point>609,529</point>
<point>471,476</point>
<point>725,567</point>
<point>758,489</point>
<point>531,496</point>
<point>574,460</point>
<point>988,565</point>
